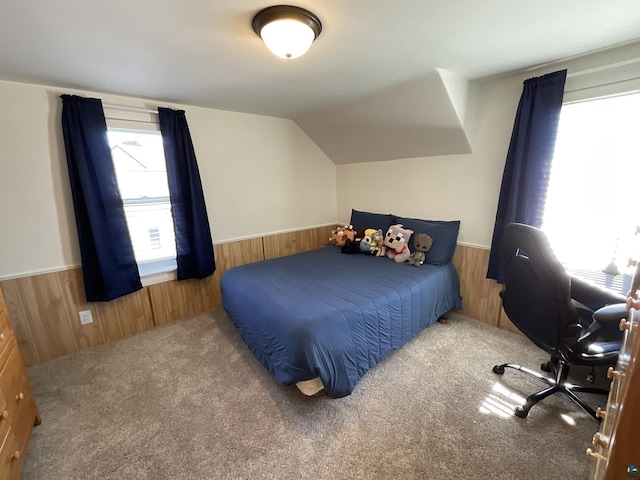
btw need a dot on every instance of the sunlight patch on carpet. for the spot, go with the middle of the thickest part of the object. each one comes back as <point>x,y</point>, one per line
<point>501,401</point>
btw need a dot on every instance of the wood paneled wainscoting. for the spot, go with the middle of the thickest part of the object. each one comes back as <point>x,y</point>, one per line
<point>44,308</point>
<point>480,295</point>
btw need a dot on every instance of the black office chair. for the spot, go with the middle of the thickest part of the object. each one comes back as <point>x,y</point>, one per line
<point>537,298</point>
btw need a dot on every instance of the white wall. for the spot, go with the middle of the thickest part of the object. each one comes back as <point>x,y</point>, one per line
<point>454,187</point>
<point>263,174</point>
<point>260,175</point>
<point>466,187</point>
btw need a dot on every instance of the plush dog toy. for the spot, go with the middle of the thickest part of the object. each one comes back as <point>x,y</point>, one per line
<point>340,235</point>
<point>397,239</point>
<point>422,243</point>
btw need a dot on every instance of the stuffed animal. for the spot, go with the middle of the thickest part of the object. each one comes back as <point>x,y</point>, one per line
<point>350,246</point>
<point>340,235</point>
<point>397,239</point>
<point>353,245</point>
<point>369,244</point>
<point>378,238</point>
<point>422,243</point>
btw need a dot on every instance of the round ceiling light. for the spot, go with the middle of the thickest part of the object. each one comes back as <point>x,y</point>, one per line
<point>286,30</point>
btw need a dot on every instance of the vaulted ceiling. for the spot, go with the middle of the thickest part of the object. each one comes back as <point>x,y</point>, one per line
<point>384,80</point>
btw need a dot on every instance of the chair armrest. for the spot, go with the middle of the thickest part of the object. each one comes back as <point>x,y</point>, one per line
<point>593,296</point>
<point>611,314</point>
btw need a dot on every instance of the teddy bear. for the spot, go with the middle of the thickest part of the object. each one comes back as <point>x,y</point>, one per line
<point>422,243</point>
<point>397,239</point>
<point>340,235</point>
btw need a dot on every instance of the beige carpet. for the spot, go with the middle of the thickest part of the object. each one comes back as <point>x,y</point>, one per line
<point>189,401</point>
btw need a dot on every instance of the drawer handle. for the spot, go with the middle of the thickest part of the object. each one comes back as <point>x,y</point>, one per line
<point>20,396</point>
<point>624,325</point>
<point>592,454</point>
<point>4,414</point>
<point>598,439</point>
<point>611,373</point>
<point>601,413</point>
<point>3,337</point>
<point>16,455</point>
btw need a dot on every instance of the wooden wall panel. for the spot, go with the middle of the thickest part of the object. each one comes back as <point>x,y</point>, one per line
<point>229,255</point>
<point>480,295</point>
<point>181,299</point>
<point>44,314</point>
<point>176,300</point>
<point>44,308</point>
<point>37,307</point>
<point>111,320</point>
<point>295,242</point>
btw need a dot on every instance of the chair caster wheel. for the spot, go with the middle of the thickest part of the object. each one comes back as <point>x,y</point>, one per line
<point>545,367</point>
<point>521,412</point>
<point>499,369</point>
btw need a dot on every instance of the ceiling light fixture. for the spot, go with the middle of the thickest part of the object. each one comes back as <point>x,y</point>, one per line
<point>286,30</point>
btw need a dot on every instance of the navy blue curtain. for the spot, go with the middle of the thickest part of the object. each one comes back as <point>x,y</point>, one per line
<point>526,171</point>
<point>194,247</point>
<point>108,262</point>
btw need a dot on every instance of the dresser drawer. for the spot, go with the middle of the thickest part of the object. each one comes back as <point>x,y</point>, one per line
<point>11,458</point>
<point>11,381</point>
<point>4,314</point>
<point>24,416</point>
<point>5,424</point>
<point>6,340</point>
<point>18,411</point>
<point>12,373</point>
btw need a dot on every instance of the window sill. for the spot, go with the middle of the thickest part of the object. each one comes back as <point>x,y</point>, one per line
<point>159,271</point>
<point>620,283</point>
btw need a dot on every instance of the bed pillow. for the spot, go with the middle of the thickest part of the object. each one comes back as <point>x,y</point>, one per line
<point>444,234</point>
<point>381,221</point>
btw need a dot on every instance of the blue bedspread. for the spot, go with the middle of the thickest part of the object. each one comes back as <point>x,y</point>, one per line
<point>334,316</point>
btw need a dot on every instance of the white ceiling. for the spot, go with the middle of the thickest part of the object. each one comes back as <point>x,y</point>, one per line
<point>205,53</point>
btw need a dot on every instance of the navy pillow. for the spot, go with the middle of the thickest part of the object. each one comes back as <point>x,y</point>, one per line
<point>444,234</point>
<point>381,221</point>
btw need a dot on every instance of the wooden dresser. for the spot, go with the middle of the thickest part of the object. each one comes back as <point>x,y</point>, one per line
<point>616,446</point>
<point>18,411</point>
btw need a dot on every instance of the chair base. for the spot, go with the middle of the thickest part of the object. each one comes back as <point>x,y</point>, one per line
<point>560,369</point>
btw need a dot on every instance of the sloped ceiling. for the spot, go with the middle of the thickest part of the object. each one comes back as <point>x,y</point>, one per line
<point>384,80</point>
<point>417,118</point>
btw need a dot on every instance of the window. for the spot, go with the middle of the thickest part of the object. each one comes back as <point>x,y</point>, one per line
<point>590,210</point>
<point>141,172</point>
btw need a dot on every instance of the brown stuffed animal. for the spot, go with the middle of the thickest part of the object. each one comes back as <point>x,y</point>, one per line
<point>340,235</point>
<point>422,243</point>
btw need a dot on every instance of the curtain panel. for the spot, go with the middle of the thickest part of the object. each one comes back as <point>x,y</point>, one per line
<point>528,163</point>
<point>194,248</point>
<point>108,263</point>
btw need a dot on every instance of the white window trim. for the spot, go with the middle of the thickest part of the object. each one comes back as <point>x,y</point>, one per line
<point>159,270</point>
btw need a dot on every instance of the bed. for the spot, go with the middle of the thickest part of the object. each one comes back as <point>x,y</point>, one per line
<point>329,316</point>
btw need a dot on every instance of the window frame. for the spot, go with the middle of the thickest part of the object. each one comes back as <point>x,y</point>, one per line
<point>162,269</point>
<point>619,282</point>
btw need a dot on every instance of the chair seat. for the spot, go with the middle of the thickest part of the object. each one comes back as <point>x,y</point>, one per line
<point>597,354</point>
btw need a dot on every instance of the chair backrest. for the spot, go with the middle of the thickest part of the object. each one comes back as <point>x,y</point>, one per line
<point>537,291</point>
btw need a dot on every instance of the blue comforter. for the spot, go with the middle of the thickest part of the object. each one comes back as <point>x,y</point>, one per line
<point>334,316</point>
